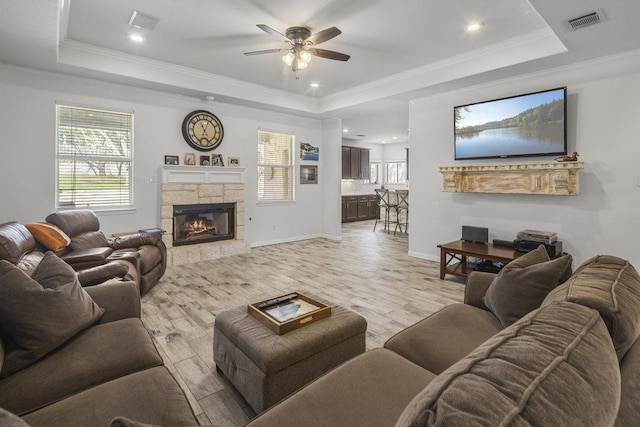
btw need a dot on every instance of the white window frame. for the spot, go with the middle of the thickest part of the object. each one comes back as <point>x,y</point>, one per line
<point>395,164</point>
<point>289,168</point>
<point>374,179</point>
<point>114,157</point>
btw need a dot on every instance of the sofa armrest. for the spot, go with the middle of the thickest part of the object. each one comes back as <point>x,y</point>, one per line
<point>120,300</point>
<point>101,273</point>
<point>135,240</point>
<point>87,257</point>
<point>477,284</point>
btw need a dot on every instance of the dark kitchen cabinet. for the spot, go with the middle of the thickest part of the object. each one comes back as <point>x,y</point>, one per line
<point>359,208</point>
<point>355,163</point>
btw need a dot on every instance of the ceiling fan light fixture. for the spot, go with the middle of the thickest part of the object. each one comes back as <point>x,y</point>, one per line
<point>288,58</point>
<point>304,57</point>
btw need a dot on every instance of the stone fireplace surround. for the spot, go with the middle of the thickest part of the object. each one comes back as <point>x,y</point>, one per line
<point>184,185</point>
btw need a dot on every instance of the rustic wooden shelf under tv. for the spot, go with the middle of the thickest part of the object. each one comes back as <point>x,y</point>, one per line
<point>558,178</point>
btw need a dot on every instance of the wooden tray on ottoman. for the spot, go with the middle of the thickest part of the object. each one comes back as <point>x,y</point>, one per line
<point>285,313</point>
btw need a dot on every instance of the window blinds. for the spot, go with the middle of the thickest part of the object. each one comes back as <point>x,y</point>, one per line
<point>94,157</point>
<point>275,166</point>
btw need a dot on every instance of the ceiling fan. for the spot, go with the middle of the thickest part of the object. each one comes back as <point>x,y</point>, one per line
<point>301,45</point>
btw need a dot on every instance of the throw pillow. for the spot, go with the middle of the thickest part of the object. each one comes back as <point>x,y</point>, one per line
<point>49,236</point>
<point>522,285</point>
<point>40,313</point>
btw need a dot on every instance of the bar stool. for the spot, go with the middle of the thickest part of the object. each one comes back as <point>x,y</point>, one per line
<point>385,202</point>
<point>402,206</point>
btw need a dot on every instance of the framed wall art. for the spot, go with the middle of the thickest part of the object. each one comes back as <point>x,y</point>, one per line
<point>190,159</point>
<point>216,160</point>
<point>309,152</point>
<point>205,160</point>
<point>171,160</point>
<point>308,174</point>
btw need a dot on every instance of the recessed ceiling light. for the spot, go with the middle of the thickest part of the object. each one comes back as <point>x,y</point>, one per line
<point>345,130</point>
<point>395,137</point>
<point>474,27</point>
<point>314,85</point>
<point>136,38</point>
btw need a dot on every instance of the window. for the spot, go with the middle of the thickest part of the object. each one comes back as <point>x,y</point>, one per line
<point>374,172</point>
<point>275,166</point>
<point>396,173</point>
<point>94,158</point>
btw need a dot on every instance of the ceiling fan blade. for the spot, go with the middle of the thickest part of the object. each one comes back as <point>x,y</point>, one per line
<point>329,54</point>
<point>261,52</point>
<point>323,35</point>
<point>267,29</point>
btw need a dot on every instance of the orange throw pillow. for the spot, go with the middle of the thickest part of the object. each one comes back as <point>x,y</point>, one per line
<point>49,236</point>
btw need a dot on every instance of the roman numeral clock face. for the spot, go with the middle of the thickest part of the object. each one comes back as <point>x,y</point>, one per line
<point>202,130</point>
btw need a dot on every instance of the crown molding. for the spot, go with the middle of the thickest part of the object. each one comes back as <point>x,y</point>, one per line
<point>82,55</point>
<point>534,45</point>
<point>585,71</point>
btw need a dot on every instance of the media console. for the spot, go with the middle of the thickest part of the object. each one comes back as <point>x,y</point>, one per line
<point>460,250</point>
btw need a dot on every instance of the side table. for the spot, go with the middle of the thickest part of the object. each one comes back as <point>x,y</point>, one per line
<point>460,250</point>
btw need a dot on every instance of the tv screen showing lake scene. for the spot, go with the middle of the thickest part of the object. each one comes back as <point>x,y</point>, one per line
<point>524,125</point>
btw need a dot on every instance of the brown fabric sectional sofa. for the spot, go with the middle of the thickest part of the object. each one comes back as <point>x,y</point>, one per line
<point>107,370</point>
<point>573,362</point>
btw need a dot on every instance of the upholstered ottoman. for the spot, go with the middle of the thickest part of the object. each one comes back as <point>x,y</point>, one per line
<point>265,367</point>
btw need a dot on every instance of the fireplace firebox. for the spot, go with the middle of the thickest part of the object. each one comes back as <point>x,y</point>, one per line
<point>202,223</point>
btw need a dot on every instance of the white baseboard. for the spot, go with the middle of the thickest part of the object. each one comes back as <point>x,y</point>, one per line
<point>286,240</point>
<point>422,255</point>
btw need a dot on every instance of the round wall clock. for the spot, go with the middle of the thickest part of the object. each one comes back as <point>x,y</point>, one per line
<point>202,130</point>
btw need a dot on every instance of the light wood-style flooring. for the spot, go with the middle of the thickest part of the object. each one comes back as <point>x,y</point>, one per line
<point>369,273</point>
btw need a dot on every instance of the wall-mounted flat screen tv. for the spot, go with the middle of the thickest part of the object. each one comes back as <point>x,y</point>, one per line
<point>532,124</point>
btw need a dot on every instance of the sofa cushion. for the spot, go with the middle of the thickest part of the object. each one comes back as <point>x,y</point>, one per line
<point>39,314</point>
<point>15,241</point>
<point>94,356</point>
<point>7,419</point>
<point>89,240</point>
<point>75,221</point>
<point>629,411</point>
<point>49,236</point>
<point>370,389</point>
<point>151,396</point>
<point>523,284</point>
<point>454,331</point>
<point>612,286</point>
<point>555,367</point>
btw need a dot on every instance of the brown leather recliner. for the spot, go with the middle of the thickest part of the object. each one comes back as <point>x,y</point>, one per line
<point>19,247</point>
<point>90,246</point>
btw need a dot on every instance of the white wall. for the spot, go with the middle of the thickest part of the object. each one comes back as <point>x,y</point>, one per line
<point>603,112</point>
<point>27,149</point>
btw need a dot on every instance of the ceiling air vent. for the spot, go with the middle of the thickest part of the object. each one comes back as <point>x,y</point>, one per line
<point>590,18</point>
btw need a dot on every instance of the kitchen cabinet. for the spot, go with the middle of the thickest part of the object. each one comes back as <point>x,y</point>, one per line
<point>359,208</point>
<point>355,163</point>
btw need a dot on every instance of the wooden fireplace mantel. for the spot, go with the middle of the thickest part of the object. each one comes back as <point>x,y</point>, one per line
<point>558,178</point>
<point>202,174</point>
